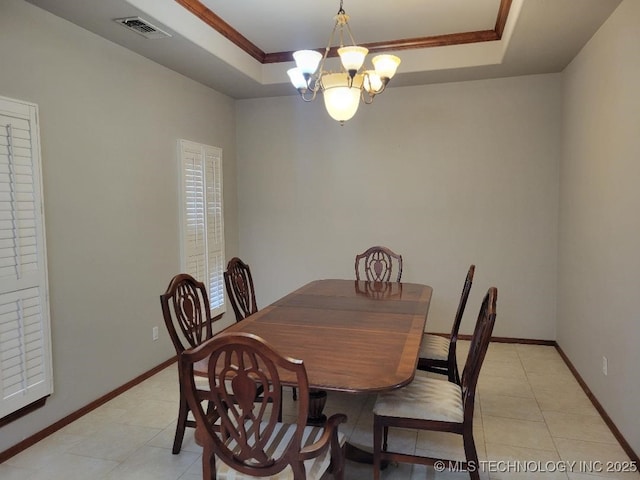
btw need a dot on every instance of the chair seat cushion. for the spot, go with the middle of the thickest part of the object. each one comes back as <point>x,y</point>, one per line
<point>434,347</point>
<point>315,467</point>
<point>425,398</point>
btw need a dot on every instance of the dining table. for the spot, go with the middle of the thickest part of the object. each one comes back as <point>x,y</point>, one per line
<point>360,337</point>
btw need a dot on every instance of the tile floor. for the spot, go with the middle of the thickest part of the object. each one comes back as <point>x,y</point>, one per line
<point>531,412</point>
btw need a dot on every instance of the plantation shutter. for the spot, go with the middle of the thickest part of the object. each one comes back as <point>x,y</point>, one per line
<point>202,218</point>
<point>25,340</point>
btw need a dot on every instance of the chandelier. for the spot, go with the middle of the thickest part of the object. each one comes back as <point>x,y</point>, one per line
<point>343,90</point>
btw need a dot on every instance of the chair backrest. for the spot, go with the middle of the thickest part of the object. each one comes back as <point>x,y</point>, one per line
<point>239,283</point>
<point>377,264</point>
<point>185,307</point>
<point>460,312</point>
<point>238,365</point>
<point>477,350</point>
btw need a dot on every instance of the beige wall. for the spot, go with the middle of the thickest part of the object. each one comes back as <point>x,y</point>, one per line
<point>109,122</point>
<point>600,225</point>
<point>447,175</point>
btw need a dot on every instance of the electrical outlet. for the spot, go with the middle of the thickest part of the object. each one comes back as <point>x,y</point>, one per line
<point>155,333</point>
<point>605,366</point>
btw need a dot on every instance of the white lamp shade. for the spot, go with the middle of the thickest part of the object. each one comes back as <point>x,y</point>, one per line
<point>372,82</point>
<point>352,57</point>
<point>385,65</point>
<point>341,100</point>
<point>307,60</point>
<point>297,78</point>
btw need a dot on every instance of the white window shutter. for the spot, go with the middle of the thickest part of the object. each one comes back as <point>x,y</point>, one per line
<point>202,218</point>
<point>26,373</point>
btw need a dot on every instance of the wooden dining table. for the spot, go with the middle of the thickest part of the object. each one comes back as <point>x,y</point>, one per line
<point>353,336</point>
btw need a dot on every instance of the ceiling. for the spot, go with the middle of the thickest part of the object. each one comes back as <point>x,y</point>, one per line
<point>437,40</point>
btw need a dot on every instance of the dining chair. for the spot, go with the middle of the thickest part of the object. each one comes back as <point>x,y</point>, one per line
<point>240,290</point>
<point>242,294</point>
<point>435,404</point>
<point>248,440</point>
<point>438,353</point>
<point>376,264</point>
<point>187,315</point>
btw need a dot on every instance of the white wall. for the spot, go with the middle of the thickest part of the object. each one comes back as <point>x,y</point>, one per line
<point>447,175</point>
<point>109,122</point>
<point>600,226</point>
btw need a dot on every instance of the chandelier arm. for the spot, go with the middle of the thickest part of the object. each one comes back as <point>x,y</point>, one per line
<point>326,52</point>
<point>309,98</point>
<point>384,85</point>
<point>353,42</point>
<point>367,97</point>
<point>385,82</point>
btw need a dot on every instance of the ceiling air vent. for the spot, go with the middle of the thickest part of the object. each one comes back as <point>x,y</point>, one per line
<point>142,27</point>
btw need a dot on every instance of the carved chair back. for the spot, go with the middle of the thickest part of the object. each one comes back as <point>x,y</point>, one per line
<point>239,283</point>
<point>238,365</point>
<point>453,338</point>
<point>185,308</point>
<point>477,351</point>
<point>376,263</point>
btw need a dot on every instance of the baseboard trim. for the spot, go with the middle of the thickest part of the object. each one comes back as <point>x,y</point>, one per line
<point>525,341</point>
<point>63,422</point>
<point>633,456</point>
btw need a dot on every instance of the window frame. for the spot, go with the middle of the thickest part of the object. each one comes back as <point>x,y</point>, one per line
<point>25,319</point>
<point>202,247</point>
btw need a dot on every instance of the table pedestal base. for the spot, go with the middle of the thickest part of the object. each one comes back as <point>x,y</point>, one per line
<point>317,401</point>
<point>360,455</point>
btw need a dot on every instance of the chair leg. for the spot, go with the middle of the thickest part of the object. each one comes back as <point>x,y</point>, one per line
<point>471,454</point>
<point>295,394</point>
<point>182,424</point>
<point>337,462</point>
<point>377,441</point>
<point>208,462</point>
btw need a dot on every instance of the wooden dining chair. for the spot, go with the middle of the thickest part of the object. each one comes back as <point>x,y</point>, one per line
<point>187,316</point>
<point>239,283</point>
<point>376,264</point>
<point>437,353</point>
<point>433,404</point>
<point>242,294</point>
<point>248,440</point>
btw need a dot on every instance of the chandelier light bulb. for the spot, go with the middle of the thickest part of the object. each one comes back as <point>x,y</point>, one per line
<point>340,99</point>
<point>385,65</point>
<point>307,61</point>
<point>372,82</point>
<point>297,78</point>
<point>352,58</point>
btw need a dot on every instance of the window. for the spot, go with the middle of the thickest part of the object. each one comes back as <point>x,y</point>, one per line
<point>202,231</point>
<point>25,341</point>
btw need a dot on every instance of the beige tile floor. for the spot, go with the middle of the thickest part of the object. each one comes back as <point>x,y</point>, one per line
<point>531,413</point>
